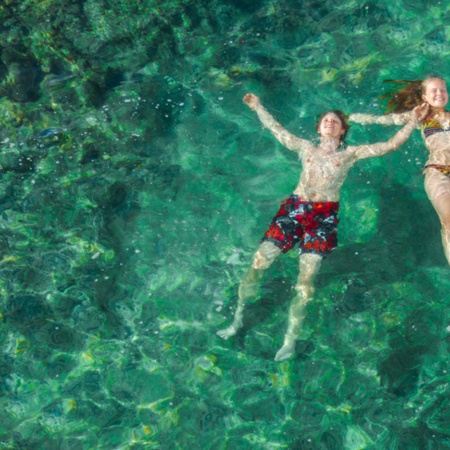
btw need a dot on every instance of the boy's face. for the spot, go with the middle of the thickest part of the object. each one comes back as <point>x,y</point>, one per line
<point>331,126</point>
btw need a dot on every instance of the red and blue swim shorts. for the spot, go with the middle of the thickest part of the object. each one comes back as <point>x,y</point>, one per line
<point>311,224</point>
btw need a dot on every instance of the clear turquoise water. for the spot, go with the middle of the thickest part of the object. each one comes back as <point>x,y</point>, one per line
<point>135,187</point>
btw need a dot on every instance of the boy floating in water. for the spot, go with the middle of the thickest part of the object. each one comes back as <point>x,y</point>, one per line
<point>309,215</point>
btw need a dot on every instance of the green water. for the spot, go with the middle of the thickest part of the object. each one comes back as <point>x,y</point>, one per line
<point>135,186</point>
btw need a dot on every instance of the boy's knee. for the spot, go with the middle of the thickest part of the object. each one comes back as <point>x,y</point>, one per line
<point>261,261</point>
<point>304,292</point>
<point>265,256</point>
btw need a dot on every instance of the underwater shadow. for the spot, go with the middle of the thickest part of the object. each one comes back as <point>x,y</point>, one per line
<point>408,237</point>
<point>417,338</point>
<point>270,311</point>
<point>275,294</point>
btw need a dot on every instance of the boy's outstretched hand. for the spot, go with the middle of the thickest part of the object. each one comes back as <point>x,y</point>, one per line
<point>252,101</point>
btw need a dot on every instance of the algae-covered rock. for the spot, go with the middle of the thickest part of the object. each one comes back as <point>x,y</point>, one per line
<point>134,189</point>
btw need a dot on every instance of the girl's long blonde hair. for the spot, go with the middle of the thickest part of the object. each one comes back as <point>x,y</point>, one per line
<point>409,96</point>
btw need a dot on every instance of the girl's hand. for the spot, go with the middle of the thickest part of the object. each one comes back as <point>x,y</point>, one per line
<point>252,101</point>
<point>420,112</point>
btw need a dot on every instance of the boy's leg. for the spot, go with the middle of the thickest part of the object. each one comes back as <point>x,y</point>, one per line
<point>248,289</point>
<point>309,266</point>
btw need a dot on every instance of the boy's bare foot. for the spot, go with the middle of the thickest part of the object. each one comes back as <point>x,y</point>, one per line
<point>228,332</point>
<point>286,351</point>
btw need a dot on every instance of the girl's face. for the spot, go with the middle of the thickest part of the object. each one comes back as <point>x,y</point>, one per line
<point>436,94</point>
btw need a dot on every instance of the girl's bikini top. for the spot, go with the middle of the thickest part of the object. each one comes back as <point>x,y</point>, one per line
<point>432,126</point>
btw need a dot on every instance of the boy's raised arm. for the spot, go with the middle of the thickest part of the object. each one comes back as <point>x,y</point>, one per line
<point>289,140</point>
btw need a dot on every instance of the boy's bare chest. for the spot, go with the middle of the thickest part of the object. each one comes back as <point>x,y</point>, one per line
<point>327,162</point>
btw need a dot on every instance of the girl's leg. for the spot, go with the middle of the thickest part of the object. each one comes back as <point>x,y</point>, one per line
<point>309,266</point>
<point>437,187</point>
<point>442,206</point>
<point>248,289</point>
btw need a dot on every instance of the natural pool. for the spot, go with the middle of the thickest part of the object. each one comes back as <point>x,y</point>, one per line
<point>135,186</point>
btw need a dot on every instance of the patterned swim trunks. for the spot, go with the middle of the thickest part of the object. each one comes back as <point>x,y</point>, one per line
<point>311,224</point>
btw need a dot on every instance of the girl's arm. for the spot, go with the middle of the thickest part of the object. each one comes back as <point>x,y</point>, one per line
<point>287,139</point>
<point>371,151</point>
<point>388,119</point>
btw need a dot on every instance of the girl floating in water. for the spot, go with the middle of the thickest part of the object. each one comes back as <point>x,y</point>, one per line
<point>309,216</point>
<point>436,135</point>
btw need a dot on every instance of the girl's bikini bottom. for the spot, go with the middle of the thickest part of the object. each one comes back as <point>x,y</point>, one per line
<point>443,169</point>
